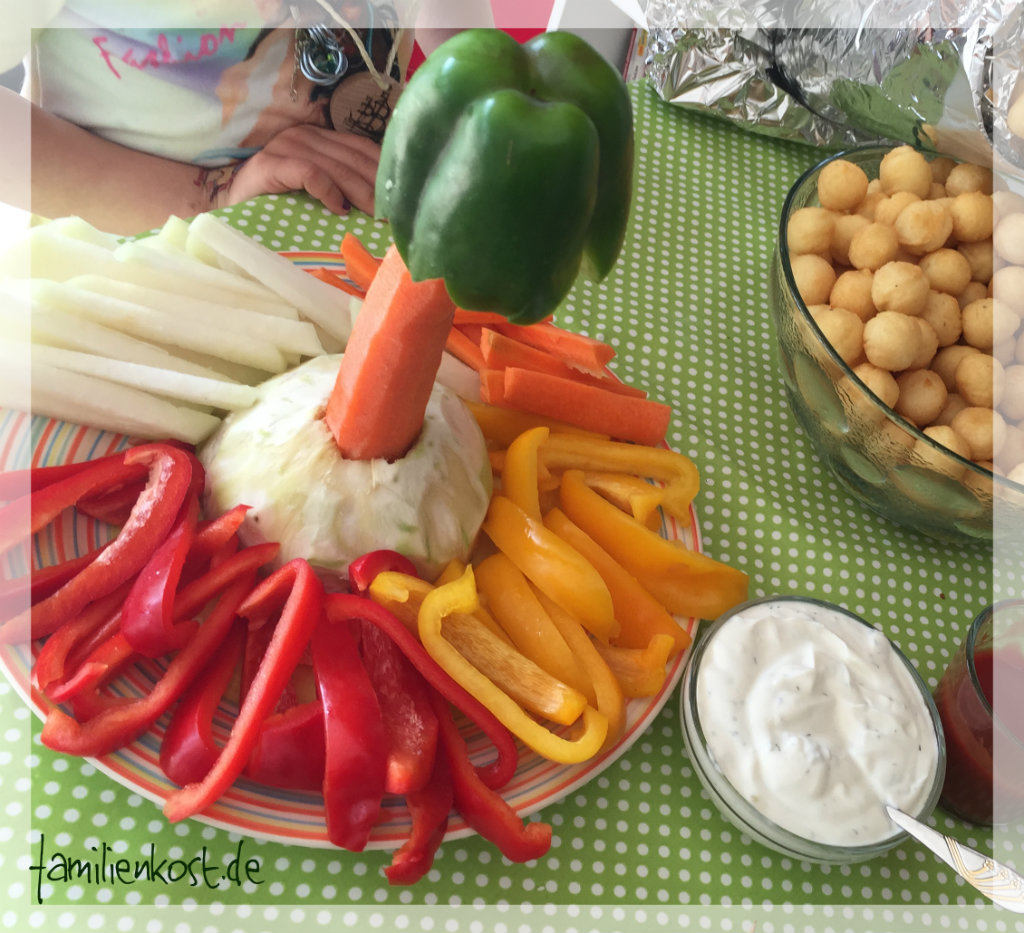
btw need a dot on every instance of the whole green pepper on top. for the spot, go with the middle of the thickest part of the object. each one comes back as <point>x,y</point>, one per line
<point>507,167</point>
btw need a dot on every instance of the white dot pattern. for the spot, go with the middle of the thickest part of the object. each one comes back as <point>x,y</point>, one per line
<point>640,846</point>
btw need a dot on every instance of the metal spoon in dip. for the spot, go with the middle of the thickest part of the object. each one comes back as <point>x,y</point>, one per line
<point>1003,885</point>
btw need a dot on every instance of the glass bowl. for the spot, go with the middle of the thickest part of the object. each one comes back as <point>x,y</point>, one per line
<point>737,806</point>
<point>882,459</point>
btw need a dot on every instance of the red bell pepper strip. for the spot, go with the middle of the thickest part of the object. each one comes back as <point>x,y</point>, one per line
<point>495,773</point>
<point>14,483</point>
<point>409,722</point>
<point>147,619</point>
<point>290,751</point>
<point>121,722</point>
<point>188,748</point>
<point>20,592</point>
<point>110,651</point>
<point>297,592</point>
<point>356,764</point>
<point>215,539</point>
<point>362,570</point>
<point>113,506</point>
<point>429,808</point>
<point>51,662</point>
<point>170,476</point>
<point>481,807</point>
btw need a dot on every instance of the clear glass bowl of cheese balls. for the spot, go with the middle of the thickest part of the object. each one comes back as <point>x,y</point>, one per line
<point>897,289</point>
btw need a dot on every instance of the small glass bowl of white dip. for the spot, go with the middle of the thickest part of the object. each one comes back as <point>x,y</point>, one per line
<point>803,721</point>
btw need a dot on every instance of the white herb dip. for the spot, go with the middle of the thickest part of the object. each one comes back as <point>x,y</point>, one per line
<point>815,720</point>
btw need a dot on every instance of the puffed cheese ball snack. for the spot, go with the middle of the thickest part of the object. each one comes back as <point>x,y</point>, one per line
<point>917,283</point>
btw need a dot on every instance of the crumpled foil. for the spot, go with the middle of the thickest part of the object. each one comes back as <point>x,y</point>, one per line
<point>939,74</point>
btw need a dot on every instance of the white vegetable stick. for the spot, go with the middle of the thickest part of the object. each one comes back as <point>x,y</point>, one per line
<point>55,328</point>
<point>152,251</point>
<point>46,252</point>
<point>324,305</point>
<point>298,337</point>
<point>217,393</point>
<point>80,399</point>
<point>174,232</point>
<point>180,282</point>
<point>460,378</point>
<point>80,229</point>
<point>218,368</point>
<point>147,324</point>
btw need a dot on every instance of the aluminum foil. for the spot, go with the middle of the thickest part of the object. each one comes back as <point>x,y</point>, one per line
<point>938,74</point>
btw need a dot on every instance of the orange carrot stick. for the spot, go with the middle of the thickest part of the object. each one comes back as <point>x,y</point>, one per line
<point>384,381</point>
<point>499,351</point>
<point>336,279</point>
<point>463,348</point>
<point>640,420</point>
<point>576,349</point>
<point>492,386</point>
<point>360,263</point>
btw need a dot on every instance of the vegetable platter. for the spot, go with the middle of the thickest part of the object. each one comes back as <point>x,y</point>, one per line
<point>299,282</point>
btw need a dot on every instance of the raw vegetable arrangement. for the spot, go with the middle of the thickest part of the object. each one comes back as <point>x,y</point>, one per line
<point>538,613</point>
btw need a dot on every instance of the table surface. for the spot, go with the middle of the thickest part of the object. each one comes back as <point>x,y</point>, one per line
<point>641,846</point>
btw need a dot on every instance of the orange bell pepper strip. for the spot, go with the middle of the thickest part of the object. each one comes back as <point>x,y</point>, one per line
<point>679,473</point>
<point>495,657</point>
<point>632,494</point>
<point>640,671</point>
<point>607,693</point>
<point>640,615</point>
<point>501,426</point>
<point>685,582</point>
<point>461,597</point>
<point>511,599</point>
<point>551,565</point>
<point>520,476</point>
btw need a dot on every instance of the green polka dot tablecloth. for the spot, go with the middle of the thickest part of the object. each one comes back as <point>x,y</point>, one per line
<point>640,847</point>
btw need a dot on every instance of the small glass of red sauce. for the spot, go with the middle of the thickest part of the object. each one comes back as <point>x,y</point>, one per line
<point>981,703</point>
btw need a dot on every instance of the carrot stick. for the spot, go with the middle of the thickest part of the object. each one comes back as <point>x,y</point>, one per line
<point>487,318</point>
<point>499,351</point>
<point>492,386</point>
<point>463,348</point>
<point>336,279</point>
<point>640,420</point>
<point>375,410</point>
<point>576,349</point>
<point>360,263</point>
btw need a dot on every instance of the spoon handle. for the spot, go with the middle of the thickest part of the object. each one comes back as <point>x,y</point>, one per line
<point>996,881</point>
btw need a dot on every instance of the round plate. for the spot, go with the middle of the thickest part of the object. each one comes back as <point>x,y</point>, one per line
<point>249,808</point>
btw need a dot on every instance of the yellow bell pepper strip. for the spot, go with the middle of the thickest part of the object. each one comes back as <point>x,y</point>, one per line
<point>496,773</point>
<point>484,810</point>
<point>461,597</point>
<point>497,658</point>
<point>640,615</point>
<point>552,565</point>
<point>679,473</point>
<point>403,595</point>
<point>294,594</point>
<point>452,571</point>
<point>607,693</point>
<point>685,582</point>
<point>640,671</point>
<point>500,426</point>
<point>520,476</point>
<point>518,611</point>
<point>632,494</point>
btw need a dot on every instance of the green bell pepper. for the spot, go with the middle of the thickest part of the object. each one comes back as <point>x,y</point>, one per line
<point>507,167</point>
